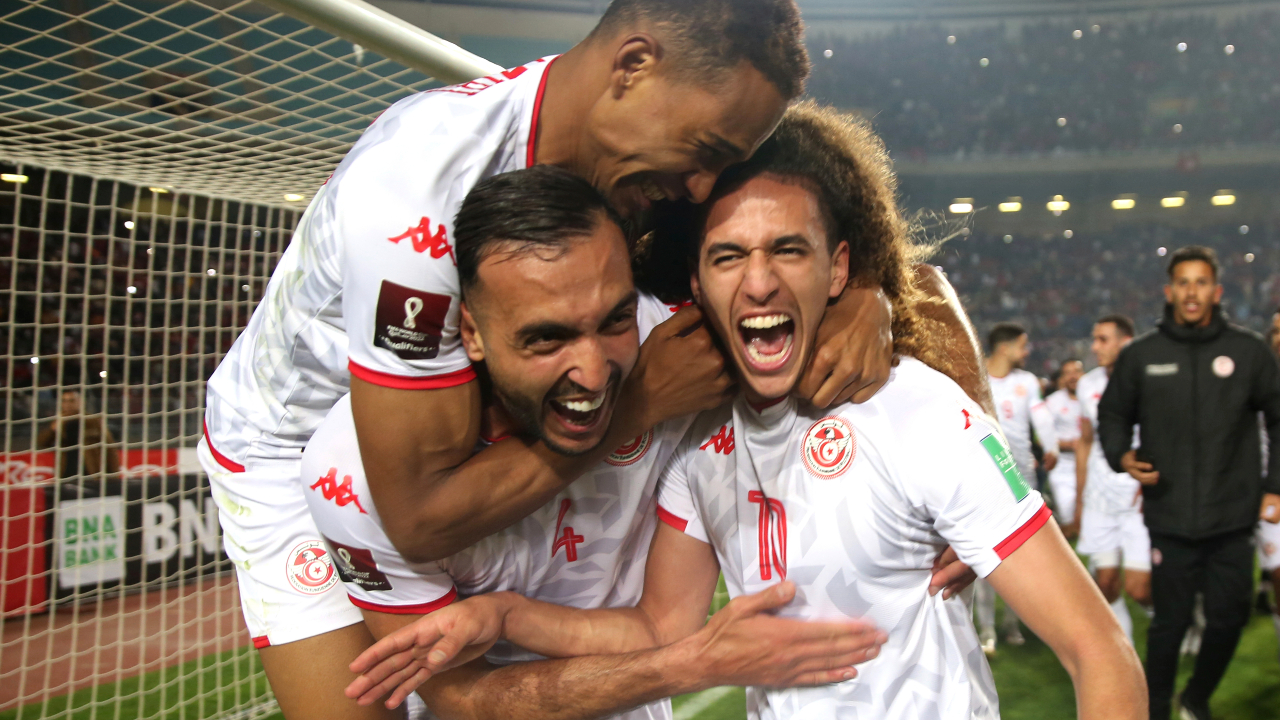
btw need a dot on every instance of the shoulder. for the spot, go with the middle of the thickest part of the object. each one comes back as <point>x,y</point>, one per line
<point>919,399</point>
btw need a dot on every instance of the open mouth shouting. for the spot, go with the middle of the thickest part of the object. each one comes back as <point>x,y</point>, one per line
<point>768,340</point>
<point>580,414</point>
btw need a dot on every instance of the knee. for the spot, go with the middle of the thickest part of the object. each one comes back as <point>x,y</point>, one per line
<point>1139,589</point>
<point>1109,584</point>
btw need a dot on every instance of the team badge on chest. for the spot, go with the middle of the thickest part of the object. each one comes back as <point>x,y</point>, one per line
<point>828,447</point>
<point>630,453</point>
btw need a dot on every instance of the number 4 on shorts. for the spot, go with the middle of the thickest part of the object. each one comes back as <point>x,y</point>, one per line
<point>999,452</point>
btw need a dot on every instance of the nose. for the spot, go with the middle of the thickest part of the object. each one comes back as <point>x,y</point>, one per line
<point>591,368</point>
<point>759,283</point>
<point>699,184</point>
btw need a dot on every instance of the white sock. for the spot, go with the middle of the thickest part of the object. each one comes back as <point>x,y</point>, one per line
<point>1121,611</point>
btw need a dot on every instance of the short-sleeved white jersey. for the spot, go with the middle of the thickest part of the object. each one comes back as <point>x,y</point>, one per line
<point>1018,408</point>
<point>1106,490</point>
<point>369,285</point>
<point>853,504</point>
<point>585,548</point>
<point>1065,410</point>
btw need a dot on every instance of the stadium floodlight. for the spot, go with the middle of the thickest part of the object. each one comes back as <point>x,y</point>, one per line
<point>35,361</point>
<point>159,190</point>
<point>1230,49</point>
<point>1173,201</point>
<point>1182,47</point>
<point>1248,257</point>
<point>1013,204</point>
<point>14,178</point>
<point>292,197</point>
<point>961,206</point>
<point>1223,198</point>
<point>1077,34</point>
<point>1062,122</point>
<point>984,62</point>
<point>132,289</point>
<point>102,374</point>
<point>1123,203</point>
<point>1058,205</point>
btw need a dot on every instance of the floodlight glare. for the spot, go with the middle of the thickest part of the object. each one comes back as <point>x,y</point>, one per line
<point>1057,204</point>
<point>1123,204</point>
<point>1174,201</point>
<point>1223,198</point>
<point>961,206</point>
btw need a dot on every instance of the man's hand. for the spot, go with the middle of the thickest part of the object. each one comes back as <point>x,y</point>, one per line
<point>679,372</point>
<point>744,644</point>
<point>1072,529</point>
<point>445,639</point>
<point>1143,472</point>
<point>1050,461</point>
<point>950,575</point>
<point>854,350</point>
<point>1270,508</point>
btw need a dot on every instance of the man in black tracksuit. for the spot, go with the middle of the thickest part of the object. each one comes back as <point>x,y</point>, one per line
<point>1195,386</point>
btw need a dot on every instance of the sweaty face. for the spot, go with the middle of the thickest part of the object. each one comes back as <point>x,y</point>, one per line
<point>557,331</point>
<point>1071,373</point>
<point>1107,343</point>
<point>664,138</point>
<point>764,277</point>
<point>1193,291</point>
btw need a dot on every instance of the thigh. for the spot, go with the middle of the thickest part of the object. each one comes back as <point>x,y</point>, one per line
<point>308,677</point>
<point>1175,578</point>
<point>1228,578</point>
<point>1135,543</point>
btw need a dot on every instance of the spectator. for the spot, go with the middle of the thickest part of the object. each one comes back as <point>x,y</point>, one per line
<point>87,447</point>
<point>1195,387</point>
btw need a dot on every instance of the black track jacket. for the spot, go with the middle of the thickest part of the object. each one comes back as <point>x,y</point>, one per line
<point>1195,394</point>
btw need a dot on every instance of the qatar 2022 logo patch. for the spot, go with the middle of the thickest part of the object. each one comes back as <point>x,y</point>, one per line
<point>630,453</point>
<point>309,568</point>
<point>828,447</point>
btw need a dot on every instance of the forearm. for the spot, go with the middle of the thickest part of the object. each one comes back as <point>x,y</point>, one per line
<point>559,631</point>
<point>1108,679</point>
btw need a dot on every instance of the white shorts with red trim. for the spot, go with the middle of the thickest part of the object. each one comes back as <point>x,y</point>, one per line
<point>289,585</point>
<point>1115,539</point>
<point>1268,536</point>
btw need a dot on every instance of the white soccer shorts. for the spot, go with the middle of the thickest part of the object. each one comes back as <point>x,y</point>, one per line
<point>1268,536</point>
<point>289,585</point>
<point>1114,539</point>
<point>1063,487</point>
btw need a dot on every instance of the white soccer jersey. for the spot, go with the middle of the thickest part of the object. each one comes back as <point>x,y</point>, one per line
<point>1106,490</point>
<point>1019,408</point>
<point>586,548</point>
<point>853,504</point>
<point>369,283</point>
<point>1065,410</point>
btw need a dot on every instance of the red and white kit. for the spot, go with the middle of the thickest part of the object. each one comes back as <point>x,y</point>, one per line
<point>586,548</point>
<point>1062,478</point>
<point>1112,531</point>
<point>1019,408</point>
<point>853,504</point>
<point>368,287</point>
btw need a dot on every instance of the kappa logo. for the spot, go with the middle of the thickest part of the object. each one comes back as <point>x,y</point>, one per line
<point>828,447</point>
<point>423,240</point>
<point>341,494</point>
<point>309,569</point>
<point>471,87</point>
<point>630,453</point>
<point>771,535</point>
<point>567,539</point>
<point>721,442</point>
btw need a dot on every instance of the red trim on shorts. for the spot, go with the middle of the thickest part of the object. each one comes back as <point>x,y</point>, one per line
<point>260,642</point>
<point>672,519</point>
<point>222,460</point>
<point>1029,528</point>
<point>400,382</point>
<point>537,110</point>
<point>420,609</point>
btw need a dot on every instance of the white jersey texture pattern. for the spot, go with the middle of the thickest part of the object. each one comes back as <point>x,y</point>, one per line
<point>853,504</point>
<point>586,548</point>
<point>1065,410</point>
<point>369,285</point>
<point>1019,408</point>
<point>1106,490</point>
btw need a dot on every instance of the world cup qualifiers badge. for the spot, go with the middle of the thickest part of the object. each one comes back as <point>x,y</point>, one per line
<point>828,448</point>
<point>310,569</point>
<point>631,452</point>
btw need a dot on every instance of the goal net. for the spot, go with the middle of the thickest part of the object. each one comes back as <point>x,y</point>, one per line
<point>154,159</point>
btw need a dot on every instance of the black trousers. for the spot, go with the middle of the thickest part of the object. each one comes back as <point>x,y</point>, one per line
<point>1220,568</point>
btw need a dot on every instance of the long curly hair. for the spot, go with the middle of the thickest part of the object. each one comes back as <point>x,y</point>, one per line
<point>839,158</point>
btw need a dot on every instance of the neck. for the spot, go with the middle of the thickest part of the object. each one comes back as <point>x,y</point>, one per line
<point>574,82</point>
<point>1071,393</point>
<point>998,367</point>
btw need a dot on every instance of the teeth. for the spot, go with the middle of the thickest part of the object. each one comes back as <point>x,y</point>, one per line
<point>761,322</point>
<point>652,191</point>
<point>583,405</point>
<point>765,359</point>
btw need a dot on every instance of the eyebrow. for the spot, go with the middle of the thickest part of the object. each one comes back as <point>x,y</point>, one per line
<point>783,241</point>
<point>557,330</point>
<point>720,144</point>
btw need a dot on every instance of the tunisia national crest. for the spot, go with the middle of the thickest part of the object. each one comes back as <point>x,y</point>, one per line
<point>310,568</point>
<point>631,452</point>
<point>828,448</point>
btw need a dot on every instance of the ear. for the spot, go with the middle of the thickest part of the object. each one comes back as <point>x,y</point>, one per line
<point>1217,294</point>
<point>1168,293</point>
<point>636,60</point>
<point>839,270</point>
<point>470,332</point>
<point>695,285</point>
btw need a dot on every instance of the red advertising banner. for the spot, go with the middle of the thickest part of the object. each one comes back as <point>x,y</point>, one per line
<point>40,466</point>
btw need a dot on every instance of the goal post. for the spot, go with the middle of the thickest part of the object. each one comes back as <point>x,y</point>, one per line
<point>155,156</point>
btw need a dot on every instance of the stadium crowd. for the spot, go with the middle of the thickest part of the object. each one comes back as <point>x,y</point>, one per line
<point>1169,82</point>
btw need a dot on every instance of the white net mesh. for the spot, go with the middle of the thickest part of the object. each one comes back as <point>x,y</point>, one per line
<point>146,152</point>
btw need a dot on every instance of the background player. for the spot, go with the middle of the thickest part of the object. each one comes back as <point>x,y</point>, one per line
<point>1019,406</point>
<point>1113,533</point>
<point>1268,532</point>
<point>845,503</point>
<point>1065,409</point>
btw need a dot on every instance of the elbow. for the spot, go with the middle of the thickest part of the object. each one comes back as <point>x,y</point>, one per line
<point>422,541</point>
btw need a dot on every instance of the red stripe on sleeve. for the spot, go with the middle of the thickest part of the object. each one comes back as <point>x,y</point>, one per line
<point>401,382</point>
<point>671,519</point>
<point>420,609</point>
<point>1029,528</point>
<point>260,642</point>
<point>222,460</point>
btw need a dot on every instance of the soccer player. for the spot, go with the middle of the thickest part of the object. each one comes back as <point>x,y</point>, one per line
<point>1112,531</point>
<point>1268,539</point>
<point>1016,393</point>
<point>848,505</point>
<point>1065,409</point>
<point>662,96</point>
